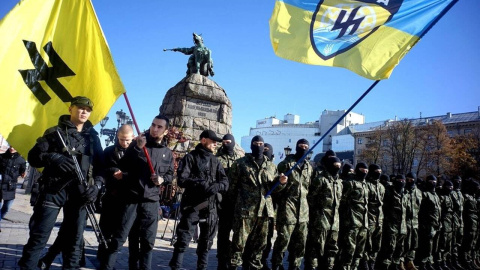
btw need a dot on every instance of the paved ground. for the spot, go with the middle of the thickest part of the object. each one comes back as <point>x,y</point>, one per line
<point>15,233</point>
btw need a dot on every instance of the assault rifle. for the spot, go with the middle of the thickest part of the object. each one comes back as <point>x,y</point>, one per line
<point>89,206</point>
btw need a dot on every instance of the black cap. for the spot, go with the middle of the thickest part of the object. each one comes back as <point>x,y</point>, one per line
<point>209,134</point>
<point>82,101</point>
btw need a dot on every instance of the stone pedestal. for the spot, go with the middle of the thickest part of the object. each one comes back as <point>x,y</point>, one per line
<point>195,104</point>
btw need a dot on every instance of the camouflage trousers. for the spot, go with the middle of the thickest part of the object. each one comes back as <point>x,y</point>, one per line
<point>444,246</point>
<point>410,244</point>
<point>428,244</point>
<point>392,247</point>
<point>321,248</point>
<point>457,238</point>
<point>293,237</point>
<point>468,244</point>
<point>354,247</point>
<point>255,230</point>
<point>374,241</point>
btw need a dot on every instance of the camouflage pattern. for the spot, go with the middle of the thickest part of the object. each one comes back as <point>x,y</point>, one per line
<point>376,192</point>
<point>429,219</point>
<point>292,212</point>
<point>470,229</point>
<point>394,226</point>
<point>476,254</point>
<point>413,197</point>
<point>324,200</point>
<point>249,183</point>
<point>445,233</point>
<point>227,162</point>
<point>457,222</point>
<point>355,201</point>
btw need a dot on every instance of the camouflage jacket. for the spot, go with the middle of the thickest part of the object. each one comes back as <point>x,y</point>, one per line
<point>227,162</point>
<point>292,200</point>
<point>447,212</point>
<point>249,184</point>
<point>470,213</point>
<point>355,201</point>
<point>395,209</point>
<point>430,210</point>
<point>458,201</point>
<point>376,192</point>
<point>324,200</point>
<point>413,197</point>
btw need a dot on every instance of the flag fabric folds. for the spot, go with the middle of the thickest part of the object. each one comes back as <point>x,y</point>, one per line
<point>368,37</point>
<point>52,50</point>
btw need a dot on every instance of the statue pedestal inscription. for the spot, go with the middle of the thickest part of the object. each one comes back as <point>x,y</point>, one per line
<point>197,103</point>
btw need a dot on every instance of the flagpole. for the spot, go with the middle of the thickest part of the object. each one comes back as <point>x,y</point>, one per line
<point>149,161</point>
<point>324,135</point>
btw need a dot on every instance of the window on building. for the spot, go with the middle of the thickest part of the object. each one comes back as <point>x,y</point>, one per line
<point>359,140</point>
<point>317,134</point>
<point>336,141</point>
<point>359,151</point>
<point>289,140</point>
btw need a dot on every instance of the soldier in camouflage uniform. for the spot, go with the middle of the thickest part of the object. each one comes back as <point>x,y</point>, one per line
<point>394,225</point>
<point>355,203</point>
<point>347,173</point>
<point>227,156</point>
<point>470,223</point>
<point>252,177</point>
<point>385,180</point>
<point>457,222</point>
<point>445,235</point>
<point>413,197</point>
<point>476,255</point>
<point>429,220</point>
<point>324,200</point>
<point>376,191</point>
<point>292,212</point>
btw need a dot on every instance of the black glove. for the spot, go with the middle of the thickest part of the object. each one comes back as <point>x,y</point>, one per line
<point>212,189</point>
<point>63,163</point>
<point>90,195</point>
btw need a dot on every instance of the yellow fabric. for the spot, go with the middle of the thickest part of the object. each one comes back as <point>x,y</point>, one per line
<point>374,58</point>
<point>76,36</point>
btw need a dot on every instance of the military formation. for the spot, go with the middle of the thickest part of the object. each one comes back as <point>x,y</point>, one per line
<point>328,216</point>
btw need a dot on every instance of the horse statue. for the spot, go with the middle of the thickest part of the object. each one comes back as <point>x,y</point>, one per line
<point>200,60</point>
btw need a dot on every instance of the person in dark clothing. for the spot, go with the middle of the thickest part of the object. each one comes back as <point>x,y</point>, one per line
<point>142,192</point>
<point>347,173</point>
<point>60,187</point>
<point>12,165</point>
<point>202,176</point>
<point>268,151</point>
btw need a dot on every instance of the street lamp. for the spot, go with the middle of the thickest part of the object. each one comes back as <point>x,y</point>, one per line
<point>287,150</point>
<point>121,117</point>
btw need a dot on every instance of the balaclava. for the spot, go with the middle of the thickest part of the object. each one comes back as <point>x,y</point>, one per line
<point>447,187</point>
<point>346,172</point>
<point>257,151</point>
<point>299,152</point>
<point>372,174</point>
<point>410,184</point>
<point>385,180</point>
<point>329,166</point>
<point>228,148</point>
<point>359,175</point>
<point>268,153</point>
<point>430,183</point>
<point>399,183</point>
<point>457,182</point>
<point>421,184</point>
<point>329,153</point>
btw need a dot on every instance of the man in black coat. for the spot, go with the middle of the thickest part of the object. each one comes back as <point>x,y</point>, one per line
<point>12,165</point>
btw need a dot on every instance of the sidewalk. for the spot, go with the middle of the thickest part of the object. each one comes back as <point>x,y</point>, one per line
<point>15,234</point>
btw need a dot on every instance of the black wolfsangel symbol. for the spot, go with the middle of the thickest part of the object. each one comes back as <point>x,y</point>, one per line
<point>43,72</point>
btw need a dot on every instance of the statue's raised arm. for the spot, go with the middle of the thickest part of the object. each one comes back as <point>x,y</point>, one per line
<point>200,60</point>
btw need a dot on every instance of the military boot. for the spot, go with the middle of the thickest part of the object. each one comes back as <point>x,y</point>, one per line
<point>410,266</point>
<point>429,266</point>
<point>401,266</point>
<point>45,262</point>
<point>364,265</point>
<point>456,265</point>
<point>371,265</point>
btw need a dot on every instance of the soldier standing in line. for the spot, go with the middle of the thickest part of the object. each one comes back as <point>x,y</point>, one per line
<point>476,255</point>
<point>445,234</point>
<point>394,226</point>
<point>457,222</point>
<point>292,212</point>
<point>470,223</point>
<point>414,199</point>
<point>376,192</point>
<point>355,201</point>
<point>227,156</point>
<point>347,173</point>
<point>252,177</point>
<point>324,200</point>
<point>385,180</point>
<point>429,220</point>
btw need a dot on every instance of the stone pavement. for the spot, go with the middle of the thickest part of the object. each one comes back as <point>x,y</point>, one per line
<point>15,234</point>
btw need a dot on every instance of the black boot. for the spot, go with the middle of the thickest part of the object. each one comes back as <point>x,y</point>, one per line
<point>45,262</point>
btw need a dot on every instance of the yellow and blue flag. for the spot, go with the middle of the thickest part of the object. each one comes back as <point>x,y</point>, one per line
<point>368,37</point>
<point>52,50</point>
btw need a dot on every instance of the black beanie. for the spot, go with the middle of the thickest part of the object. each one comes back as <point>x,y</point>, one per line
<point>303,141</point>
<point>431,177</point>
<point>361,165</point>
<point>257,138</point>
<point>384,178</point>
<point>412,175</point>
<point>373,167</point>
<point>448,183</point>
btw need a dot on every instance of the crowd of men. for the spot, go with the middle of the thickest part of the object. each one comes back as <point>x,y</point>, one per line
<point>327,217</point>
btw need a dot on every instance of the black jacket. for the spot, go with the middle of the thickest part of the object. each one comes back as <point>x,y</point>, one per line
<point>201,174</point>
<point>113,154</point>
<point>11,167</point>
<point>139,186</point>
<point>87,145</point>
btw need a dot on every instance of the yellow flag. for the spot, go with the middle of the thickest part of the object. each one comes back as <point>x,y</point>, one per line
<point>52,50</point>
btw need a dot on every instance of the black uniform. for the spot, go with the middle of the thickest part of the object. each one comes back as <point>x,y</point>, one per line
<point>142,199</point>
<point>12,165</point>
<point>60,188</point>
<point>202,176</point>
